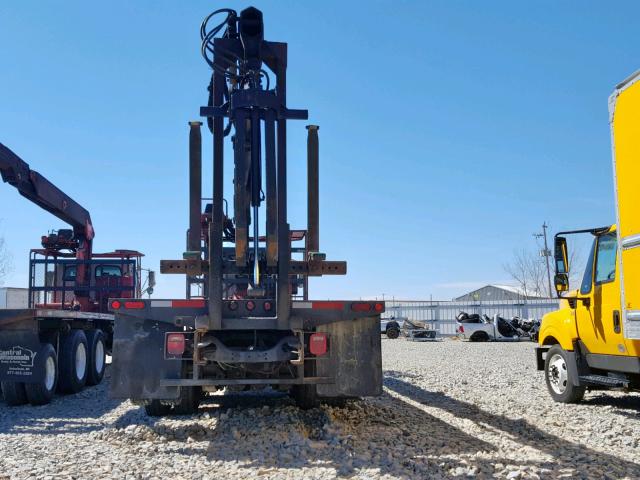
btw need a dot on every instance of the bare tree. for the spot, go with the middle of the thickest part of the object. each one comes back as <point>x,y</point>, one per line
<point>518,269</point>
<point>529,270</point>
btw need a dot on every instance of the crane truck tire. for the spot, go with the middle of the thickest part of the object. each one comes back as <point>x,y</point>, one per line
<point>73,362</point>
<point>97,356</point>
<point>559,378</point>
<point>41,393</point>
<point>14,393</point>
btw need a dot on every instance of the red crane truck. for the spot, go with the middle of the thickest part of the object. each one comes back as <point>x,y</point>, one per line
<point>253,324</point>
<point>61,340</point>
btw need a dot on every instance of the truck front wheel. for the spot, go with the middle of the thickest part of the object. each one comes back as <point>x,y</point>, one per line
<point>560,381</point>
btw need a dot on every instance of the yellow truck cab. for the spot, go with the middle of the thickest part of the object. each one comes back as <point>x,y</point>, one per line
<point>593,340</point>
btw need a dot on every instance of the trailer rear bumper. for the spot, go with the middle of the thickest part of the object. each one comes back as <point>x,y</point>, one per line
<point>188,382</point>
<point>142,370</point>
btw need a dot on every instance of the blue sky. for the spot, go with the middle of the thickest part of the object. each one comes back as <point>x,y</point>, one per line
<point>449,130</point>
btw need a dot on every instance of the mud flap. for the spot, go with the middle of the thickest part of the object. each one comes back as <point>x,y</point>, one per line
<point>19,359</point>
<point>139,362</point>
<point>355,360</point>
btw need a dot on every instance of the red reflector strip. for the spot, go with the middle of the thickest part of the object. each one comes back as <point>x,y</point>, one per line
<point>318,344</point>
<point>187,303</point>
<point>134,305</point>
<point>175,343</point>
<point>327,305</point>
<point>360,307</point>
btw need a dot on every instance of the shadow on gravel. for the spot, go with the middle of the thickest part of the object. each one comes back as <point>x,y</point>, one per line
<point>79,413</point>
<point>627,402</point>
<point>395,439</point>
<point>523,432</point>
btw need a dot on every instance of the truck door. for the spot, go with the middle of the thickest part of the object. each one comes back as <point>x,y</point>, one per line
<point>599,321</point>
<point>624,113</point>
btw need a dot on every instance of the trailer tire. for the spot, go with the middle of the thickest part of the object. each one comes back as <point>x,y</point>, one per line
<point>305,396</point>
<point>393,333</point>
<point>97,356</point>
<point>42,392</point>
<point>189,401</point>
<point>336,402</point>
<point>156,409</point>
<point>72,362</point>
<point>558,377</point>
<point>14,393</point>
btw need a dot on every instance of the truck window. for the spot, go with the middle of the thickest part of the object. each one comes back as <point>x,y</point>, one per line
<point>606,259</point>
<point>69,274</point>
<point>108,271</point>
<point>587,279</point>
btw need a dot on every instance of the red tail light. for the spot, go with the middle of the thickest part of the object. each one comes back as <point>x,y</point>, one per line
<point>134,305</point>
<point>175,343</point>
<point>360,307</point>
<point>318,344</point>
<point>379,307</point>
<point>267,306</point>
<point>461,329</point>
<point>116,304</point>
<point>251,305</point>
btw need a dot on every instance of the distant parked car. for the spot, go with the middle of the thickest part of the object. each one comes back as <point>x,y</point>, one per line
<point>476,328</point>
<point>391,326</point>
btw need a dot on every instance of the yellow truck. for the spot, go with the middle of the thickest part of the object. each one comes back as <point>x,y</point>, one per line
<point>593,340</point>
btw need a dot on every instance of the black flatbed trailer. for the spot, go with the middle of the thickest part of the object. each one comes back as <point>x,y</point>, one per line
<point>33,352</point>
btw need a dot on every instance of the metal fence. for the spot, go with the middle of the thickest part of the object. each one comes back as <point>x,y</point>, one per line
<point>441,316</point>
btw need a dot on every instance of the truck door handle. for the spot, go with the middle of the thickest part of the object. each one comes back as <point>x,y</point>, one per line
<point>616,321</point>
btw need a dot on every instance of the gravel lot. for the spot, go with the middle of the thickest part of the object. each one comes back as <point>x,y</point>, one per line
<point>450,409</point>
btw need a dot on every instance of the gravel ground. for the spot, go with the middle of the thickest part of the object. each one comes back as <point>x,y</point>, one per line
<point>450,409</point>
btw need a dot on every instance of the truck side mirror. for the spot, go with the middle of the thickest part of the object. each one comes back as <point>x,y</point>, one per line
<point>561,278</point>
<point>561,282</point>
<point>560,255</point>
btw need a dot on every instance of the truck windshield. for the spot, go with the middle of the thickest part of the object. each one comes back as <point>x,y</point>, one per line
<point>108,271</point>
<point>606,259</point>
